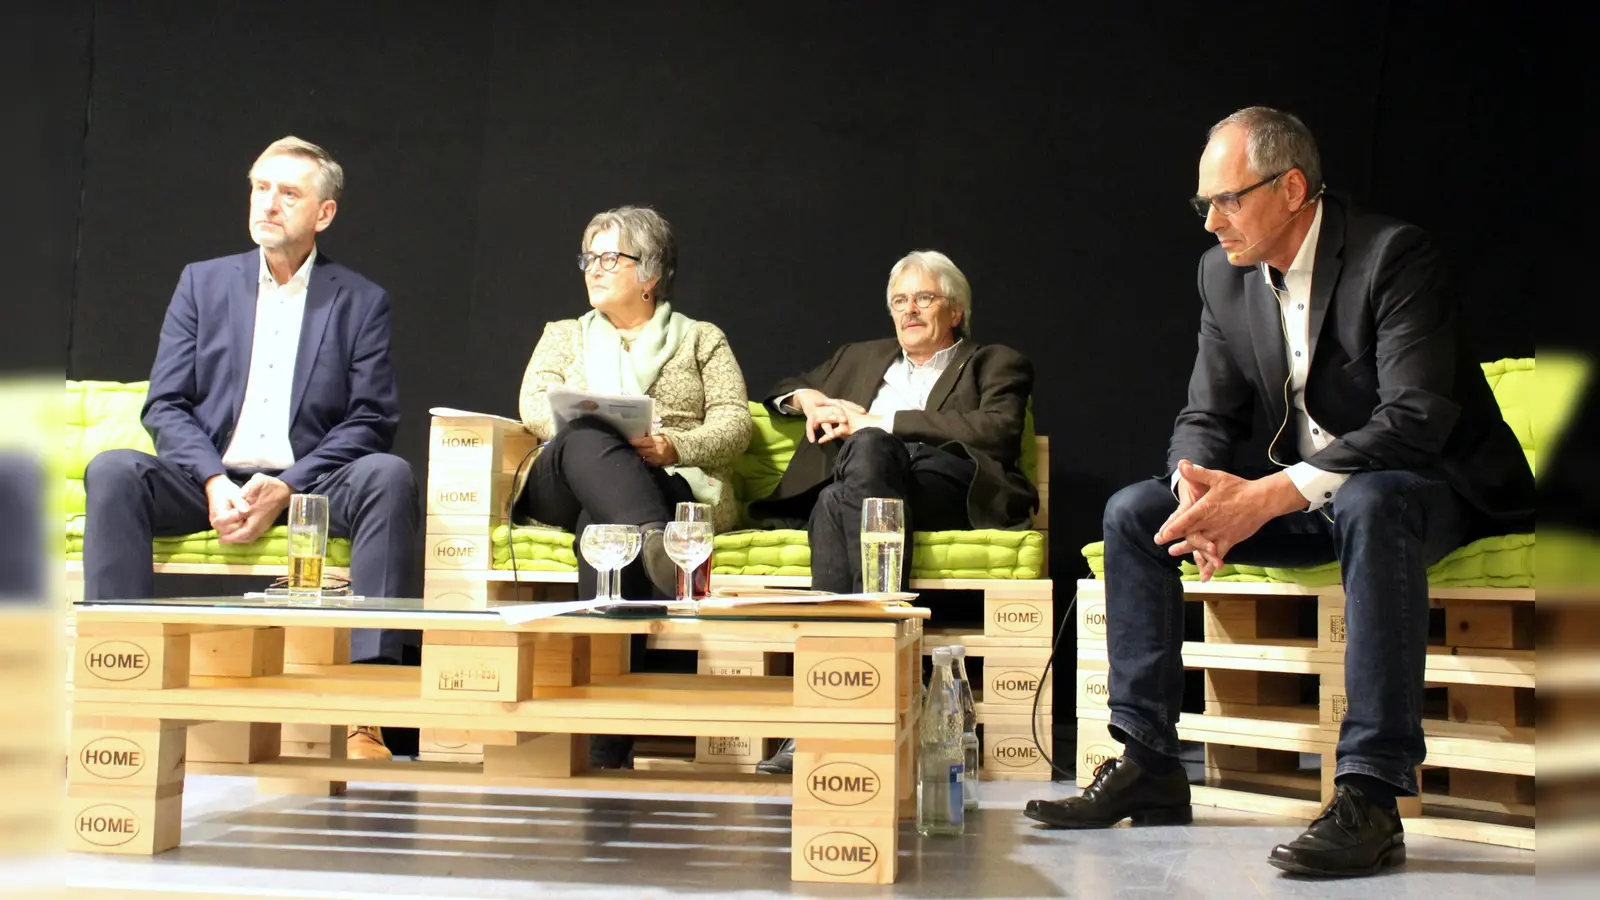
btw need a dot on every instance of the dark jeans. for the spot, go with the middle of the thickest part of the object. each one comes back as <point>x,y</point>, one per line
<point>590,473</point>
<point>1387,527</point>
<point>133,497</point>
<point>873,463</point>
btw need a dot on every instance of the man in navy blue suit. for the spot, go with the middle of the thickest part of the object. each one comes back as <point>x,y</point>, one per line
<point>272,378</point>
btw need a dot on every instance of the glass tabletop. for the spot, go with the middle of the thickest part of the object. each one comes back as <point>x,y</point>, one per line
<point>326,601</point>
<point>415,605</point>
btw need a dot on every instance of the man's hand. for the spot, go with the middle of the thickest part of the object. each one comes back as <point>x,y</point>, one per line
<point>854,420</point>
<point>825,414</point>
<point>228,507</point>
<point>268,497</point>
<point>1229,510</point>
<point>656,449</point>
<point>1190,491</point>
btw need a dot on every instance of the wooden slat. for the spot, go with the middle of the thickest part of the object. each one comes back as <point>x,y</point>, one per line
<point>688,781</point>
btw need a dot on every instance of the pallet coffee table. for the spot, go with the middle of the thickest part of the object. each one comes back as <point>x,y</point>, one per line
<point>250,687</point>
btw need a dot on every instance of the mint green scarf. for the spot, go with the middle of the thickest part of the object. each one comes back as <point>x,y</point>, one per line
<point>613,370</point>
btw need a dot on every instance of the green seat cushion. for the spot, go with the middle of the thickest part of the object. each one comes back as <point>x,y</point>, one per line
<point>1502,561</point>
<point>100,415</point>
<point>104,415</point>
<point>1535,414</point>
<point>271,549</point>
<point>754,551</point>
<point>934,554</point>
<point>539,548</point>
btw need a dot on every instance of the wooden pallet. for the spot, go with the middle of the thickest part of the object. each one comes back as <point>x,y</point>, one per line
<point>525,694</point>
<point>1274,692</point>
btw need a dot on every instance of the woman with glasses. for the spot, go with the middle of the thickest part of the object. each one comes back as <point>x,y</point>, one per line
<point>632,341</point>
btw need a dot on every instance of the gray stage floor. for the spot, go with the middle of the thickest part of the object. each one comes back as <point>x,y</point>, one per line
<point>400,842</point>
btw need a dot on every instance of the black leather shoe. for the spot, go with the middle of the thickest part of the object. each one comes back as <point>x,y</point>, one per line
<point>1122,789</point>
<point>658,565</point>
<point>780,763</point>
<point>1353,836</point>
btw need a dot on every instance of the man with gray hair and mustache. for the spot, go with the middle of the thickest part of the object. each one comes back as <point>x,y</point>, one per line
<point>930,416</point>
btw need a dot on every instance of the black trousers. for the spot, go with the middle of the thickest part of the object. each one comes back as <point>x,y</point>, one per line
<point>589,473</point>
<point>133,497</point>
<point>932,481</point>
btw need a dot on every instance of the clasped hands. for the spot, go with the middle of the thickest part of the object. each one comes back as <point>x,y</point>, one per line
<point>241,514</point>
<point>1217,510</point>
<point>835,418</point>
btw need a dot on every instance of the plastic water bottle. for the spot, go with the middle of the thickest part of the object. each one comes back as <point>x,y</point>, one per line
<point>969,727</point>
<point>941,760</point>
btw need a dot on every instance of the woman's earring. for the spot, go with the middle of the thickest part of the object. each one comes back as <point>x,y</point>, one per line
<point>647,295</point>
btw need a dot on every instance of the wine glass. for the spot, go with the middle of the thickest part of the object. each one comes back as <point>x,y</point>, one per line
<point>602,547</point>
<point>688,544</point>
<point>629,539</point>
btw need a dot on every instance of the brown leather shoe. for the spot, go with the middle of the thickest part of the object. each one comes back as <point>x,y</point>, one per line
<point>366,742</point>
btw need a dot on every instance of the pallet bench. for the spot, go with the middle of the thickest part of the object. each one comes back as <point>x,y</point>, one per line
<point>1261,651</point>
<point>472,461</point>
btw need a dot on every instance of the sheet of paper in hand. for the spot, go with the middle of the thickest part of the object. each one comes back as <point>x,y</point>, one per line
<point>633,416</point>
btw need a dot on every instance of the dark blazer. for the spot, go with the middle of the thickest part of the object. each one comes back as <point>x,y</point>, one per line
<point>344,403</point>
<point>976,409</point>
<point>1386,373</point>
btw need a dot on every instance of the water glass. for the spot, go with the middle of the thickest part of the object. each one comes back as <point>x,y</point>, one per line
<point>632,541</point>
<point>688,544</point>
<point>883,542</point>
<point>606,548</point>
<point>308,543</point>
<point>692,512</point>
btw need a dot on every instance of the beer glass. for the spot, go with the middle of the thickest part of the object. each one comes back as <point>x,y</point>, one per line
<point>308,543</point>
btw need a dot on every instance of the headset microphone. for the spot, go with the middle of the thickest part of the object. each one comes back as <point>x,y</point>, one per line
<point>1237,254</point>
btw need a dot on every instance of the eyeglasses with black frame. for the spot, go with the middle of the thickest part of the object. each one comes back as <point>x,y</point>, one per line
<point>608,260</point>
<point>923,300</point>
<point>1230,202</point>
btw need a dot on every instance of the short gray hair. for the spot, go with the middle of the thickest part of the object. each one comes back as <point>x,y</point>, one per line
<point>1276,141</point>
<point>330,175</point>
<point>645,233</point>
<point>952,284</point>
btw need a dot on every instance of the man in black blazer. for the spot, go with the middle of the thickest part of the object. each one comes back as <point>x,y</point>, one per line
<point>1390,452</point>
<point>272,377</point>
<point>930,416</point>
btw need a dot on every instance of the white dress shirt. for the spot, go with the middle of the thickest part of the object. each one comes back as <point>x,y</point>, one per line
<point>261,437</point>
<point>905,386</point>
<point>1316,485</point>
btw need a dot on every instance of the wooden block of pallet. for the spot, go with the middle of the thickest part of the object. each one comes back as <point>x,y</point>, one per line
<point>458,542</point>
<point>1015,678</point>
<point>741,752</point>
<point>1010,752</point>
<point>455,490</point>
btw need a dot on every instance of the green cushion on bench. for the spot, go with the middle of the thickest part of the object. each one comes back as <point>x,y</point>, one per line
<point>934,554</point>
<point>271,549</point>
<point>756,473</point>
<point>1502,561</point>
<point>104,415</point>
<point>539,548</point>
